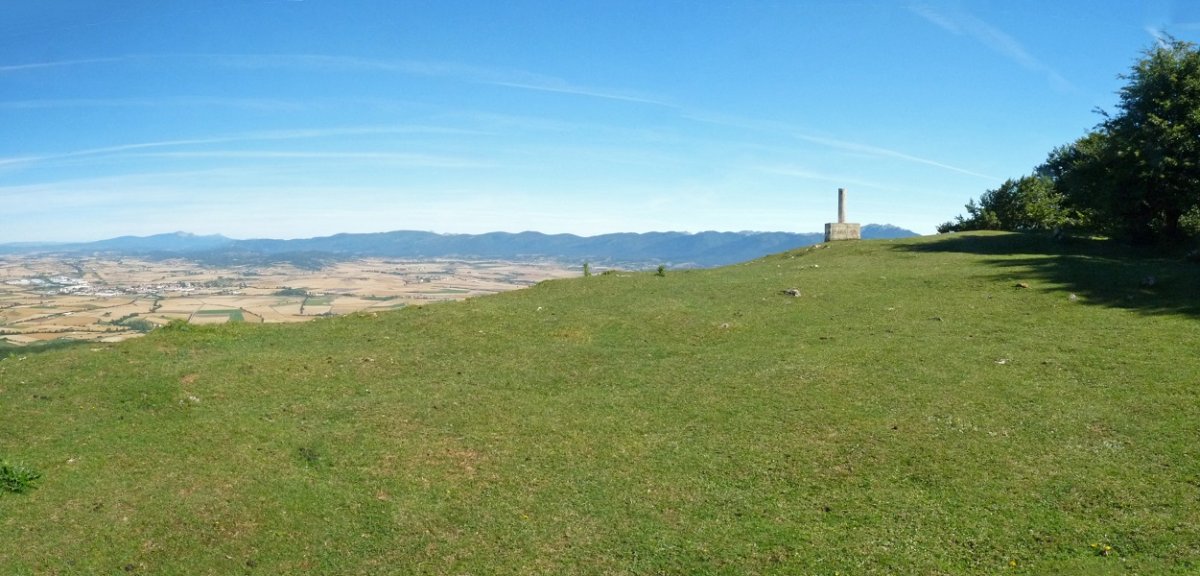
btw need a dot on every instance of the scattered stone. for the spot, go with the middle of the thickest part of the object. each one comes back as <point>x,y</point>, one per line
<point>1072,297</point>
<point>724,326</point>
<point>1002,361</point>
<point>793,292</point>
<point>1022,284</point>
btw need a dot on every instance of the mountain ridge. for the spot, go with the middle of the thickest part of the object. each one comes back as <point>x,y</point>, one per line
<point>675,249</point>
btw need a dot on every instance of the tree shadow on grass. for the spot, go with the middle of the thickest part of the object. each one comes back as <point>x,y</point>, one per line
<point>1100,272</point>
<point>7,349</point>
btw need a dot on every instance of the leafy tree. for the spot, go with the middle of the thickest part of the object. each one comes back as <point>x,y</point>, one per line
<point>1028,203</point>
<point>1083,173</point>
<point>1155,140</point>
<point>1138,174</point>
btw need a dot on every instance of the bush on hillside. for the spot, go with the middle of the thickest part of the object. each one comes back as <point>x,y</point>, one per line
<point>1028,203</point>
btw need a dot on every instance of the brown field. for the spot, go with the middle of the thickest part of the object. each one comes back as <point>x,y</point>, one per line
<point>46,298</point>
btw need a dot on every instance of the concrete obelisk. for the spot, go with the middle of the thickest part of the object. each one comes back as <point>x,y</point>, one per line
<point>841,230</point>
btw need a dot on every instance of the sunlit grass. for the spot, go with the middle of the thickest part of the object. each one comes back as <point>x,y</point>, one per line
<point>913,412</point>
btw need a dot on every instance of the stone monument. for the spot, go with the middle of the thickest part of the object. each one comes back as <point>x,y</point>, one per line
<point>841,230</point>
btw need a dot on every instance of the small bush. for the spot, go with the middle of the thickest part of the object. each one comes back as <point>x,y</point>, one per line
<point>291,292</point>
<point>177,325</point>
<point>16,478</point>
<point>662,270</point>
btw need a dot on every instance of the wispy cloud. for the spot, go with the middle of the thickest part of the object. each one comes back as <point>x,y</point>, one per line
<point>886,153</point>
<point>249,103</point>
<point>519,79</point>
<point>963,23</point>
<point>273,135</point>
<point>421,160</point>
<point>832,143</point>
<point>18,160</point>
<point>1160,37</point>
<point>507,78</point>
<point>565,88</point>
<point>1159,31</point>
<point>54,64</point>
<point>1162,19</point>
<point>808,174</point>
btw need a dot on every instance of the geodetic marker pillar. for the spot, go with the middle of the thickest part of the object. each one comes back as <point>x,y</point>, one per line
<point>841,230</point>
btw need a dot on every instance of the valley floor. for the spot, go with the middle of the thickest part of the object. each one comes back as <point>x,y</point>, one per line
<point>46,298</point>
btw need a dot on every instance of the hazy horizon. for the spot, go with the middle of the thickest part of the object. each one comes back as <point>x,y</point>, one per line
<point>186,233</point>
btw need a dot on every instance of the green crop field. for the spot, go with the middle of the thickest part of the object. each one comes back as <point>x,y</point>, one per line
<point>966,404</point>
<point>449,291</point>
<point>234,314</point>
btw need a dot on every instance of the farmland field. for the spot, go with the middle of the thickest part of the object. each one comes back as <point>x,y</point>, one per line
<point>45,298</point>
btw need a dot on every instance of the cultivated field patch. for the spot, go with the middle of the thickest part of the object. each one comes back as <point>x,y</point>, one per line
<point>50,297</point>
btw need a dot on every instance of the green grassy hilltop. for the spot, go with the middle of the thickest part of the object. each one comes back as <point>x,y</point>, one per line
<point>970,404</point>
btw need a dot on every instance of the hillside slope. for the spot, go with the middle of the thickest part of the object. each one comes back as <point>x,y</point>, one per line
<point>914,411</point>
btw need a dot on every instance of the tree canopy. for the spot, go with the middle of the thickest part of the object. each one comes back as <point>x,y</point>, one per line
<point>1136,175</point>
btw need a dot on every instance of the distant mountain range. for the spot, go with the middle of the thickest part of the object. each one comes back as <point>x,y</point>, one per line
<point>634,250</point>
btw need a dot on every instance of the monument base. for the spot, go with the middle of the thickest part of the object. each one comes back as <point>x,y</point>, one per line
<point>842,231</point>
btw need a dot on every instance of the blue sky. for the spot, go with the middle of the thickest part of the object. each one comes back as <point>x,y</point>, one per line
<point>300,118</point>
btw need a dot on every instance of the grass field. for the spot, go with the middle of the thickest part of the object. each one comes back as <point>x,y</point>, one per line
<point>972,404</point>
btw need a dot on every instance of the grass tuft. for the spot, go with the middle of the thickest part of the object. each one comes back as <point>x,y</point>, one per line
<point>17,478</point>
